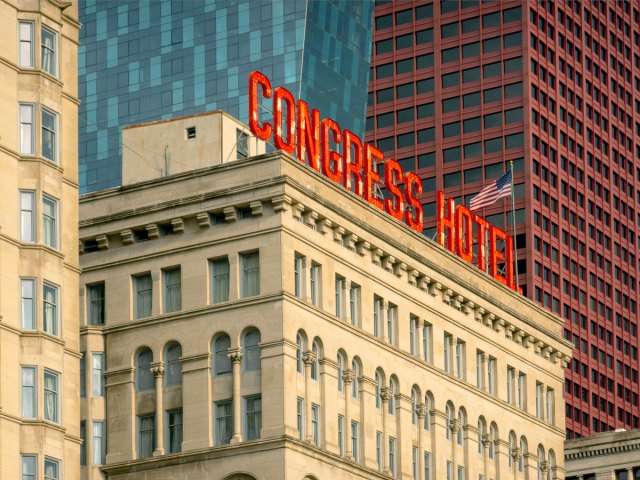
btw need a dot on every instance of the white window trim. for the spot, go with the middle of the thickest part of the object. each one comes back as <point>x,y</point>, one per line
<point>56,221</point>
<point>32,59</point>
<point>56,135</point>
<point>35,391</point>
<point>58,413</point>
<point>32,146</point>
<point>56,50</point>
<point>58,306</point>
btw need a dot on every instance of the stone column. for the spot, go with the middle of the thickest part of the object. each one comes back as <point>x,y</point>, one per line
<point>234,277</point>
<point>235,355</point>
<point>348,377</point>
<point>385,394</point>
<point>158,372</point>
<point>486,445</point>
<point>421,412</point>
<point>516,455</point>
<point>545,466</point>
<point>454,425</point>
<point>308,357</point>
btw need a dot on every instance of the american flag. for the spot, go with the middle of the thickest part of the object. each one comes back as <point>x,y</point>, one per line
<point>491,193</point>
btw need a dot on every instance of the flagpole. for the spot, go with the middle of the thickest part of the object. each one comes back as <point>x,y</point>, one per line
<point>513,222</point>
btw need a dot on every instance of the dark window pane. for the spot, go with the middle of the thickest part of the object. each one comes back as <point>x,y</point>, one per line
<point>451,105</point>
<point>471,75</point>
<point>451,154</point>
<point>405,115</point>
<point>491,70</point>
<point>427,110</point>
<point>472,150</point>
<point>493,171</point>
<point>471,50</point>
<point>492,120</point>
<point>429,209</point>
<point>406,140</point>
<point>450,79</point>
<point>404,66</point>
<point>408,164</point>
<point>369,123</point>
<point>470,24</point>
<point>513,90</point>
<point>427,160</point>
<point>518,165</point>
<point>384,46</point>
<point>424,36</point>
<point>424,61</point>
<point>385,21</point>
<point>513,116</point>
<point>449,30</point>
<point>491,45</point>
<point>512,40</point>
<point>386,144</point>
<point>385,120</point>
<point>451,129</point>
<point>404,41</point>
<point>425,86</point>
<point>426,135</point>
<point>513,65</point>
<point>405,90</point>
<point>472,125</point>
<point>447,6</point>
<point>493,145</point>
<point>425,11</point>
<point>450,55</point>
<point>492,95</point>
<point>471,100</point>
<point>384,71</point>
<point>490,19</point>
<point>429,184</point>
<point>473,175</point>
<point>384,95</point>
<point>452,180</point>
<point>405,16</point>
<point>514,141</point>
<point>511,15</point>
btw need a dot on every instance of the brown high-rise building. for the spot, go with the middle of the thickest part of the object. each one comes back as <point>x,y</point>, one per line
<point>39,271</point>
<point>460,89</point>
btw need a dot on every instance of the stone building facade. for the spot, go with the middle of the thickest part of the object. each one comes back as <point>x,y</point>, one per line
<point>254,320</point>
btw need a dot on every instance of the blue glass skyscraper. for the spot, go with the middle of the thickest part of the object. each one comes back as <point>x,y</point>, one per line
<point>147,60</point>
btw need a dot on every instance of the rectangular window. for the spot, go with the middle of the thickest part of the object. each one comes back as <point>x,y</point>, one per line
<point>253,409</point>
<point>97,374</point>
<point>219,280</point>
<point>49,129</point>
<point>511,380</point>
<point>171,280</point>
<point>27,130</point>
<point>83,374</point>
<point>426,342</point>
<point>522,390</point>
<point>29,467</point>
<point>174,430</point>
<point>28,303</point>
<point>377,309</point>
<point>51,469</point>
<point>392,455</point>
<point>447,353</point>
<point>95,304</point>
<point>298,263</point>
<point>414,462</point>
<point>339,283</point>
<point>83,445</point>
<point>50,295</point>
<point>26,57</point>
<point>29,393</point>
<point>49,47</point>
<point>392,320</point>
<point>460,360</point>
<point>300,416</point>
<point>550,405</point>
<point>355,441</point>
<point>142,286</point>
<point>491,375</point>
<point>449,470</point>
<point>98,443</point>
<point>224,422</point>
<point>50,221</point>
<point>315,423</point>
<point>460,472</point>
<point>27,216</point>
<point>480,369</point>
<point>354,303</point>
<point>250,265</point>
<point>242,144</point>
<point>341,435</point>
<point>539,400</point>
<point>51,400</point>
<point>379,450</point>
<point>146,435</point>
<point>412,334</point>
<point>427,466</point>
<point>315,283</point>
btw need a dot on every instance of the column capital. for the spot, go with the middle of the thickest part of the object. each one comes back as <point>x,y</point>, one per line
<point>486,440</point>
<point>308,357</point>
<point>385,394</point>
<point>544,466</point>
<point>348,376</point>
<point>157,370</point>
<point>454,425</point>
<point>516,453</point>
<point>421,410</point>
<point>235,355</point>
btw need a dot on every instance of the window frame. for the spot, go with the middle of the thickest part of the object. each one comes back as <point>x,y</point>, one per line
<point>51,222</point>
<point>31,41</point>
<point>169,304</point>
<point>139,434</point>
<point>97,374</point>
<point>30,125</point>
<point>227,418</point>
<point>98,443</point>
<point>52,131</point>
<point>53,71</point>
<point>56,463</point>
<point>172,429</point>
<point>91,308</point>
<point>137,309</point>
<point>33,389</point>
<point>54,417</point>
<point>54,329</point>
<point>257,417</point>
<point>34,299</point>
<point>215,278</point>
<point>248,272</point>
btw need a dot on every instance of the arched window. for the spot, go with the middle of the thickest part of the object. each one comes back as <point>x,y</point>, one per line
<point>482,430</point>
<point>251,350</point>
<point>315,366</point>
<point>427,417</point>
<point>513,444</point>
<point>221,360</point>
<point>540,461</point>
<point>340,371</point>
<point>462,420</point>
<point>551,458</point>
<point>355,385</point>
<point>144,377</point>
<point>449,417</point>
<point>173,367</point>
<point>523,450</point>
<point>299,352</point>
<point>415,395</point>
<point>393,387</point>
<point>378,390</point>
<point>493,434</point>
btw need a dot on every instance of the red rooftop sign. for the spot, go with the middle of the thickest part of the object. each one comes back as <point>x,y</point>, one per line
<point>314,140</point>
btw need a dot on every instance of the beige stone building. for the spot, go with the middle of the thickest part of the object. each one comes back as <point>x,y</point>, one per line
<point>39,271</point>
<point>247,318</point>
<point>605,456</point>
